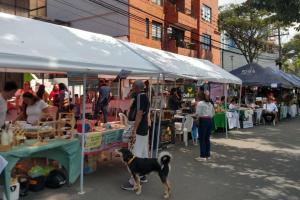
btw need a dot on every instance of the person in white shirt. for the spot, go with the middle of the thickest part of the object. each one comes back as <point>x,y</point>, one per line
<point>34,108</point>
<point>270,110</point>
<point>205,112</point>
<point>8,92</point>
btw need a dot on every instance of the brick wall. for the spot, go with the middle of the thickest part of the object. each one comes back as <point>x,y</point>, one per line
<point>137,29</point>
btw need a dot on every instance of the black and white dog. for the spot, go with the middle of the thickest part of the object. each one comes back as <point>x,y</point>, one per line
<point>142,166</point>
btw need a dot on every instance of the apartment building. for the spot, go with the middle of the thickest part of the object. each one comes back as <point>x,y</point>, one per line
<point>24,8</point>
<point>186,27</point>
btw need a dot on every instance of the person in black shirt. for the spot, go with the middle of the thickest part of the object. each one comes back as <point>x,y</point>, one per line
<point>139,114</point>
<point>174,102</point>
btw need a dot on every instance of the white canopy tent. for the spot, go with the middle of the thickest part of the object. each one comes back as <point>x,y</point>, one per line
<point>30,45</point>
<point>171,63</point>
<point>38,46</point>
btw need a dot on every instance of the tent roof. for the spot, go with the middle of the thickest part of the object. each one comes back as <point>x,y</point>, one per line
<point>39,46</point>
<point>289,78</point>
<point>171,63</point>
<point>256,75</point>
<point>31,45</point>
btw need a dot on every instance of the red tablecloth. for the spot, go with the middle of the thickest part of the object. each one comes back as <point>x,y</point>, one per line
<point>123,105</point>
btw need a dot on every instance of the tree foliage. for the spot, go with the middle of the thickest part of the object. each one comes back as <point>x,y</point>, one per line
<point>246,26</point>
<point>292,48</point>
<point>285,11</point>
<point>291,53</point>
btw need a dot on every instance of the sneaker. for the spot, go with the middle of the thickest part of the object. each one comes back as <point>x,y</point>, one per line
<point>127,186</point>
<point>143,179</point>
<point>200,159</point>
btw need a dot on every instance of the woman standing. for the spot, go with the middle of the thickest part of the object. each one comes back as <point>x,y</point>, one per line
<point>42,94</point>
<point>205,112</point>
<point>64,98</point>
<point>34,108</point>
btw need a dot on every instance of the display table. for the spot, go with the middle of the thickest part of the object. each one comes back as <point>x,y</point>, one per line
<point>246,117</point>
<point>293,110</point>
<point>67,152</point>
<point>219,120</point>
<point>283,112</point>
<point>258,115</point>
<point>123,105</point>
<point>104,140</point>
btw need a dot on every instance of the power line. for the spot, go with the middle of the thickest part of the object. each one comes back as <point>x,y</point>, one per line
<point>106,5</point>
<point>141,21</point>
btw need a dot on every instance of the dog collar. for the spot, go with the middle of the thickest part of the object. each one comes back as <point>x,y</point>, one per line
<point>130,161</point>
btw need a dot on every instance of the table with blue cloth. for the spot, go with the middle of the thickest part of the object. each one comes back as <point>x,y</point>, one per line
<point>66,151</point>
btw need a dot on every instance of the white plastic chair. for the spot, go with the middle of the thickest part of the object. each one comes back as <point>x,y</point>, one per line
<point>123,119</point>
<point>185,129</point>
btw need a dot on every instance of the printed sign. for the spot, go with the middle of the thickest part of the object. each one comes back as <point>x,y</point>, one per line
<point>123,74</point>
<point>274,85</point>
<point>93,140</point>
<point>189,91</point>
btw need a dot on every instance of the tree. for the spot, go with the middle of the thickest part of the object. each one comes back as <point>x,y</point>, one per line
<point>247,27</point>
<point>292,48</point>
<point>291,53</point>
<point>285,11</point>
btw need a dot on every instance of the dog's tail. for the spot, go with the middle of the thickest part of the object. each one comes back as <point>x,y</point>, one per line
<point>164,158</point>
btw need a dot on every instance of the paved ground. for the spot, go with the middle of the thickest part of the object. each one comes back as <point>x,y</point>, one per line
<point>262,163</point>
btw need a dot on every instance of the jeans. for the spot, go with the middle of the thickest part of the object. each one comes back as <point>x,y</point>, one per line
<point>204,131</point>
<point>104,110</point>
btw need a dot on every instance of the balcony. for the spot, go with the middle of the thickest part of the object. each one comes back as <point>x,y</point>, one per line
<point>180,16</point>
<point>182,48</point>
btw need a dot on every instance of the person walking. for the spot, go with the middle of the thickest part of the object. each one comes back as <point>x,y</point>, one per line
<point>103,100</point>
<point>8,92</point>
<point>138,116</point>
<point>205,112</point>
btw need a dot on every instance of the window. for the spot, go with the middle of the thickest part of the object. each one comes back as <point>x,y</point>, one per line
<point>158,2</point>
<point>206,41</point>
<point>206,13</point>
<point>147,28</point>
<point>156,30</point>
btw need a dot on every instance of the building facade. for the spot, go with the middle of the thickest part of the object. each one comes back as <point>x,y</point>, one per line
<point>24,8</point>
<point>186,27</point>
<point>231,57</point>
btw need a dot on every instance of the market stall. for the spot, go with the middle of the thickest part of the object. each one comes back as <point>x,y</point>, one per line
<point>35,46</point>
<point>257,87</point>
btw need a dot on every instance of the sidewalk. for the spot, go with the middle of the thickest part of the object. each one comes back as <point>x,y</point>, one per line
<point>261,163</point>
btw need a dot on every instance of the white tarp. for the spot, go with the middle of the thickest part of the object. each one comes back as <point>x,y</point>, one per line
<point>39,46</point>
<point>171,63</point>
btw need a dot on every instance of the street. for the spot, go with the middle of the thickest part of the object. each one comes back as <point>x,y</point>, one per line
<point>261,163</point>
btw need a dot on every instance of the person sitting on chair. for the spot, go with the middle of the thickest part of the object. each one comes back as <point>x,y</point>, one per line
<point>270,111</point>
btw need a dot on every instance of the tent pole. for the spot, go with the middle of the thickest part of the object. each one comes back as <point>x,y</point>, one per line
<point>83,135</point>
<point>240,100</point>
<point>160,115</point>
<point>154,119</point>
<point>226,96</point>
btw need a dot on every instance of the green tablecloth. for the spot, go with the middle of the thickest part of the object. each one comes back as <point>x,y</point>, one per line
<point>219,120</point>
<point>67,152</point>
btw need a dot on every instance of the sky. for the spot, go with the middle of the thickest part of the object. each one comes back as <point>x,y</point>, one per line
<point>285,39</point>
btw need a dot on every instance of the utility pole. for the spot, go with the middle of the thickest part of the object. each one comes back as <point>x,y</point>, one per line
<point>280,48</point>
<point>279,60</point>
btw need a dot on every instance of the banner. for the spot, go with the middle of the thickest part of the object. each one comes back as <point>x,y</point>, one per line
<point>189,91</point>
<point>93,140</point>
